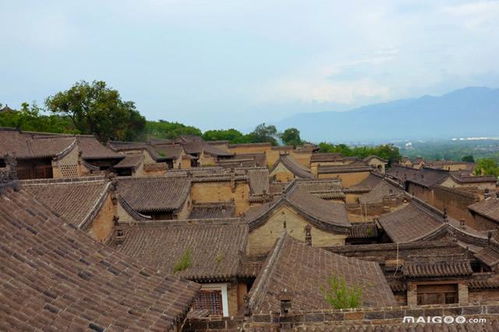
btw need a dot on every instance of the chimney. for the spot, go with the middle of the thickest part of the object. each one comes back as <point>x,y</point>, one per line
<point>285,301</point>
<point>462,223</point>
<point>489,237</point>
<point>119,233</point>
<point>308,235</point>
<point>446,219</point>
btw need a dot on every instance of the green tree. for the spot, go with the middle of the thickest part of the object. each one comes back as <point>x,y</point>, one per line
<point>468,158</point>
<point>341,296</point>
<point>97,109</point>
<point>169,130</point>
<point>263,133</point>
<point>291,136</point>
<point>487,166</point>
<point>232,135</point>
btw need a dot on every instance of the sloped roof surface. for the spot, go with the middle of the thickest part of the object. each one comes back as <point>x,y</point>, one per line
<point>130,161</point>
<point>321,213</point>
<point>74,200</point>
<point>213,210</point>
<point>294,167</point>
<point>258,181</point>
<point>154,194</point>
<point>380,191</point>
<point>409,223</point>
<point>426,177</point>
<point>91,148</point>
<point>214,247</point>
<point>28,145</point>
<point>488,207</point>
<point>55,277</point>
<point>303,271</point>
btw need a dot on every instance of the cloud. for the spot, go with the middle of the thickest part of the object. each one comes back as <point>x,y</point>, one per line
<point>323,89</point>
<point>476,15</point>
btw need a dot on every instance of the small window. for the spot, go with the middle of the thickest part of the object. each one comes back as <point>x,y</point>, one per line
<point>437,294</point>
<point>210,300</point>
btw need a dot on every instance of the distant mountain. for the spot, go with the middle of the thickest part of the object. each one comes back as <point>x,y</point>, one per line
<point>467,112</point>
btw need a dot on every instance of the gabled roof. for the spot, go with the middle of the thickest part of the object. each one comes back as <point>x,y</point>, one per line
<point>488,208</point>
<point>6,108</point>
<point>302,272</point>
<point>323,188</point>
<point>75,200</point>
<point>154,194</point>
<point>325,215</point>
<point>54,276</point>
<point>130,161</point>
<point>326,157</point>
<point>366,159</point>
<point>363,230</point>
<point>293,166</point>
<point>421,221</point>
<point>166,151</point>
<point>381,190</point>
<point>213,210</point>
<point>489,255</point>
<point>460,177</point>
<point>92,149</point>
<point>26,145</point>
<point>244,160</point>
<point>410,223</point>
<point>258,181</point>
<point>196,145</point>
<point>368,183</point>
<point>426,177</point>
<point>214,248</point>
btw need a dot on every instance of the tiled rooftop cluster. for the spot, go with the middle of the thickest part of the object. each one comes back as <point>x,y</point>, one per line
<point>143,233</point>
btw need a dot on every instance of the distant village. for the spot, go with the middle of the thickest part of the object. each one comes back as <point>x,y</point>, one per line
<point>194,235</point>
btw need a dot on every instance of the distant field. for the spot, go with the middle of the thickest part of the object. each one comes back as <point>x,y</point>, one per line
<point>451,150</point>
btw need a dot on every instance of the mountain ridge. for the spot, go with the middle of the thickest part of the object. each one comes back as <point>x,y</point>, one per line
<point>470,111</point>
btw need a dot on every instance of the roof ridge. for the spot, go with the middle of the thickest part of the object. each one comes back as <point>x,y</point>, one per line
<point>266,272</point>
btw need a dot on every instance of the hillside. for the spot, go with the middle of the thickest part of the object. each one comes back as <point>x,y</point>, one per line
<point>466,112</point>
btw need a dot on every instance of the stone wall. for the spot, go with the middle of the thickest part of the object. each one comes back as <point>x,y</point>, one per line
<point>379,318</point>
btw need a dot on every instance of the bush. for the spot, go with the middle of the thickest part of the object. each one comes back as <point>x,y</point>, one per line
<point>184,262</point>
<point>341,296</point>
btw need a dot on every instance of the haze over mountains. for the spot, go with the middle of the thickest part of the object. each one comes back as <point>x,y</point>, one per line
<point>468,112</point>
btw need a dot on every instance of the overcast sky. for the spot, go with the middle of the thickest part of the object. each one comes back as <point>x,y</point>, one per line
<point>221,63</point>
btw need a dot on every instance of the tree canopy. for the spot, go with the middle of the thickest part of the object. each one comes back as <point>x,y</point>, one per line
<point>97,109</point>
<point>291,136</point>
<point>169,130</point>
<point>487,166</point>
<point>264,133</point>
<point>385,151</point>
